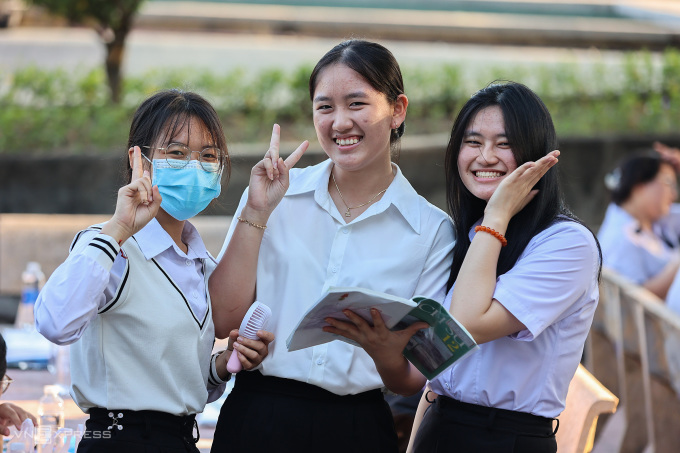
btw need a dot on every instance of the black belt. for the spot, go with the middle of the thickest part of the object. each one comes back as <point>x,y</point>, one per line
<point>254,381</point>
<point>522,423</point>
<point>117,419</point>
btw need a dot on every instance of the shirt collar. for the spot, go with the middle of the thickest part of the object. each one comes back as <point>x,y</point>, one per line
<point>154,240</point>
<point>399,194</point>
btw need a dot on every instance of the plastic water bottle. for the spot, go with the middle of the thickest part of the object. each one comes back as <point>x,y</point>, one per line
<point>50,416</point>
<point>33,279</point>
<point>19,447</point>
<point>59,364</point>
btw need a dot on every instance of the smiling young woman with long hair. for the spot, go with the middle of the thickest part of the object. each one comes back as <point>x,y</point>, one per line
<point>524,281</point>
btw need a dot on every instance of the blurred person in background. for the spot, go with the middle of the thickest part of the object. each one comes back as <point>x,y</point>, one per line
<point>10,414</point>
<point>640,232</point>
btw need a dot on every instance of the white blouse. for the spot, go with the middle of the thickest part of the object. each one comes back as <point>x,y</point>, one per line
<point>400,245</point>
<point>553,291</point>
<point>635,254</point>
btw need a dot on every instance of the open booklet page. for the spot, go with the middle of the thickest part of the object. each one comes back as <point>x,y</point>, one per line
<point>431,350</point>
<point>360,300</point>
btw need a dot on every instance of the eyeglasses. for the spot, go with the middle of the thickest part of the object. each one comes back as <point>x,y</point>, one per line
<point>178,155</point>
<point>4,383</point>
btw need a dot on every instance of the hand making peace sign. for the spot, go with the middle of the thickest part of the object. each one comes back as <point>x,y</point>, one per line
<point>269,178</point>
<point>137,202</point>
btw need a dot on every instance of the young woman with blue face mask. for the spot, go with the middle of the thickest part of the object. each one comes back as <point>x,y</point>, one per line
<point>132,298</point>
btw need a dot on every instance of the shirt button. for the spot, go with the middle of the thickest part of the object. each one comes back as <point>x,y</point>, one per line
<point>195,294</point>
<point>319,362</point>
<point>335,269</point>
<point>188,262</point>
<point>345,231</point>
<point>447,385</point>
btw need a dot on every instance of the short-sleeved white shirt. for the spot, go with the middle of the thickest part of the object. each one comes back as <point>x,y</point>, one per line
<point>636,254</point>
<point>553,291</point>
<point>400,245</point>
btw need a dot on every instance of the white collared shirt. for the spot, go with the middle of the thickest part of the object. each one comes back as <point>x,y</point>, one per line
<point>636,254</point>
<point>400,245</point>
<point>87,280</point>
<point>553,290</point>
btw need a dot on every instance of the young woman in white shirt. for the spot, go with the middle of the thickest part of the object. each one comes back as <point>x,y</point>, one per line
<point>524,282</point>
<point>132,297</point>
<point>352,220</point>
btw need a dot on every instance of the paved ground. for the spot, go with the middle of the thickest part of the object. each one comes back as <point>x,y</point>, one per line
<point>79,48</point>
<point>221,36</point>
<point>666,402</point>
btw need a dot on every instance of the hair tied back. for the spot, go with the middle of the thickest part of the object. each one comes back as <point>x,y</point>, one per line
<point>400,130</point>
<point>613,179</point>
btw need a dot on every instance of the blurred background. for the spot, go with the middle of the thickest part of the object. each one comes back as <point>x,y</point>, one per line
<point>73,71</point>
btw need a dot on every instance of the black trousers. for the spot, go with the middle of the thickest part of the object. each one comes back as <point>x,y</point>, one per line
<point>453,426</point>
<point>141,432</point>
<point>265,414</point>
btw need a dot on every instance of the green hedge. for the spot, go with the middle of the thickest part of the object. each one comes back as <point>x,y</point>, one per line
<point>57,111</point>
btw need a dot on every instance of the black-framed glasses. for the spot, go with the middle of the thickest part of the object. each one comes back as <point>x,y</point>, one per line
<point>178,155</point>
<point>4,383</point>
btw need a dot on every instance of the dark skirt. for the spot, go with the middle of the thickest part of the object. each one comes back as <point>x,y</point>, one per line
<point>450,425</point>
<point>142,432</point>
<point>265,414</point>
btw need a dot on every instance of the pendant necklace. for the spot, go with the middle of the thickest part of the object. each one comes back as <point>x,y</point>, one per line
<point>347,213</point>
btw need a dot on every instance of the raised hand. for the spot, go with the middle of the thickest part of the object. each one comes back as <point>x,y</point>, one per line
<point>669,153</point>
<point>137,202</point>
<point>269,178</point>
<point>516,190</point>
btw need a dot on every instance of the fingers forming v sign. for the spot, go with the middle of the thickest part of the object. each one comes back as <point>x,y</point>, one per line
<point>269,177</point>
<point>137,203</point>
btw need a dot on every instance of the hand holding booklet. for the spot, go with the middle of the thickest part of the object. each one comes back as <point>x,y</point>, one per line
<point>430,350</point>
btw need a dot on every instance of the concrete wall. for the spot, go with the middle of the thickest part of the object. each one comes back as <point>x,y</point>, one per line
<point>45,238</point>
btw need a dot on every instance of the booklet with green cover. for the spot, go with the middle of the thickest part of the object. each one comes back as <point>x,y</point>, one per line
<point>431,350</point>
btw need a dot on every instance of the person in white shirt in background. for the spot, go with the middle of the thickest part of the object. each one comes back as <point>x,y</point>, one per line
<point>132,297</point>
<point>352,220</point>
<point>640,232</point>
<point>529,305</point>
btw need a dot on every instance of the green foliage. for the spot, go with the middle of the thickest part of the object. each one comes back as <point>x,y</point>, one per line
<point>106,13</point>
<point>56,111</point>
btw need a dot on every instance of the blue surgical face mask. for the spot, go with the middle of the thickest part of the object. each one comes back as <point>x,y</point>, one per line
<point>186,191</point>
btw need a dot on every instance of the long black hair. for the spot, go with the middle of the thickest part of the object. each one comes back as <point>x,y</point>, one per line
<point>531,134</point>
<point>373,62</point>
<point>3,357</point>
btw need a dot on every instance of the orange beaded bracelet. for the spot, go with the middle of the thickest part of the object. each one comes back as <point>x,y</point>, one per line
<point>492,232</point>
